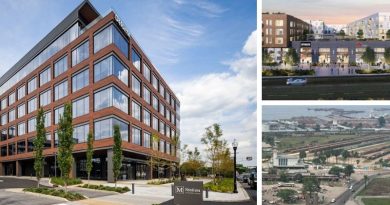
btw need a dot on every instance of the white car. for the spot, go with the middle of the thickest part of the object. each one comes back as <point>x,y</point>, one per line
<point>333,201</point>
<point>296,81</point>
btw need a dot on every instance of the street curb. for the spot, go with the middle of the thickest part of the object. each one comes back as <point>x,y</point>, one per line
<point>97,190</point>
<point>36,194</point>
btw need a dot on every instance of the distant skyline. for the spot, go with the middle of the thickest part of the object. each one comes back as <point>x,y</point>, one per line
<point>330,11</point>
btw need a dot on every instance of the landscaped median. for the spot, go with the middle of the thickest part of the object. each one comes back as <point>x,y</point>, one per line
<point>61,182</point>
<point>161,181</point>
<point>222,185</point>
<point>106,188</point>
<point>71,196</point>
<point>288,72</point>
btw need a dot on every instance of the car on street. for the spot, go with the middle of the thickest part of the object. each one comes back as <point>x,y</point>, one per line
<point>245,177</point>
<point>333,201</point>
<point>253,180</point>
<point>296,81</point>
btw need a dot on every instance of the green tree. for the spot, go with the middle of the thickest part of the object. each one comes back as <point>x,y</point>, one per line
<point>335,170</point>
<point>117,153</point>
<point>387,56</point>
<point>38,145</point>
<point>369,56</point>
<point>311,185</point>
<point>388,34</point>
<point>298,178</point>
<point>66,142</point>
<point>381,121</point>
<point>283,176</point>
<point>292,57</point>
<point>266,57</point>
<point>302,155</point>
<point>336,153</point>
<point>194,162</point>
<point>360,33</point>
<point>215,145</point>
<point>365,181</point>
<point>345,155</point>
<point>89,164</point>
<point>342,33</point>
<point>287,195</point>
<point>348,170</point>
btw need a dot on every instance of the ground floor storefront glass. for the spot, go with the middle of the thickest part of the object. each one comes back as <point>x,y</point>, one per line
<point>306,56</point>
<point>342,55</point>
<point>324,55</point>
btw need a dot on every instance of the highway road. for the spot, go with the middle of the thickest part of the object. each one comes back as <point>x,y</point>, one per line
<point>328,88</point>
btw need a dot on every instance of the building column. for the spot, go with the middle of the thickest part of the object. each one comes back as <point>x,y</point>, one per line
<point>110,173</point>
<point>1,169</point>
<point>18,168</point>
<point>73,170</point>
<point>149,174</point>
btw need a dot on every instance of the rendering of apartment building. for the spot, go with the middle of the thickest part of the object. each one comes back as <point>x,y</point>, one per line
<point>374,26</point>
<point>317,28</point>
<point>92,62</point>
<point>279,30</point>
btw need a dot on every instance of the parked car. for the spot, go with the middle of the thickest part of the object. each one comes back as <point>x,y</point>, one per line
<point>245,177</point>
<point>253,180</point>
<point>296,81</point>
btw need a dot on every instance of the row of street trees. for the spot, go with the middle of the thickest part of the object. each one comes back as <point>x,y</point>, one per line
<point>323,156</point>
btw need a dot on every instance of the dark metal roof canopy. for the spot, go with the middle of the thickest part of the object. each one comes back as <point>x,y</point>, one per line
<point>84,13</point>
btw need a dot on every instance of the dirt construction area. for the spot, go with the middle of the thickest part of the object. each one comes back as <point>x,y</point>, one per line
<point>377,187</point>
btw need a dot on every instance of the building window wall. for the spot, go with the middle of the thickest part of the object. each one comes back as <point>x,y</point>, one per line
<point>45,98</point>
<point>11,132</point>
<point>21,128</point>
<point>155,82</point>
<point>136,110</point>
<point>80,80</point>
<point>44,77</point>
<point>155,102</point>
<point>80,133</point>
<point>111,96</point>
<point>146,94</point>
<point>21,110</point>
<point>146,117</point>
<point>80,107</point>
<point>21,92</point>
<point>11,115</point>
<point>278,22</point>
<point>155,123</point>
<point>32,123</point>
<point>11,98</point>
<point>47,117</point>
<point>146,72</point>
<point>21,147</point>
<point>80,53</point>
<point>61,66</point>
<point>146,139</point>
<point>104,128</point>
<point>136,85</point>
<point>136,59</point>
<point>31,85</point>
<point>108,36</point>
<point>32,105</point>
<point>61,90</point>
<point>136,135</point>
<point>4,103</point>
<point>58,112</point>
<point>111,66</point>
<point>4,119</point>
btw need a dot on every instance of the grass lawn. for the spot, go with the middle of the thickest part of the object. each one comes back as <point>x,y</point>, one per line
<point>377,187</point>
<point>71,196</point>
<point>376,201</point>
<point>225,185</point>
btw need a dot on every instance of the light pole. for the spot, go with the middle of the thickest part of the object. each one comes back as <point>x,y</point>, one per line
<point>235,145</point>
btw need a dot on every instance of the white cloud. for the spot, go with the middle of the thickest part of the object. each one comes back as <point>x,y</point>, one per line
<point>228,98</point>
<point>250,47</point>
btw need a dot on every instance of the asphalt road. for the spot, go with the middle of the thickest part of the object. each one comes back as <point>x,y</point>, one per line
<point>9,182</point>
<point>328,88</point>
<point>251,192</point>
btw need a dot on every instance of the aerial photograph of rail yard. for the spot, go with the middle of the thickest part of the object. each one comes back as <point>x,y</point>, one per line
<point>326,155</point>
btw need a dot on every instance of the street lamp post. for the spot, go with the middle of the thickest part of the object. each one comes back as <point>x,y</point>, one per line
<point>235,145</point>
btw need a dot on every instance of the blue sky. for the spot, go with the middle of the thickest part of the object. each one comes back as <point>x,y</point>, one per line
<point>206,50</point>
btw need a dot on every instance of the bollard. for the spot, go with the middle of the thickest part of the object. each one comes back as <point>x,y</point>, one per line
<point>207,193</point>
<point>132,188</point>
<point>172,190</point>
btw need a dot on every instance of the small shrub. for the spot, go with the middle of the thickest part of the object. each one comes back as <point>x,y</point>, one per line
<point>71,196</point>
<point>287,72</point>
<point>60,181</point>
<point>106,188</point>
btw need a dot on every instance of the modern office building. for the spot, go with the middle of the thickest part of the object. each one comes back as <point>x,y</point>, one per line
<point>92,62</point>
<point>279,30</point>
<point>374,26</point>
<point>340,52</point>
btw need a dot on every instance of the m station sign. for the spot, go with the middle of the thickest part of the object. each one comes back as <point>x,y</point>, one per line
<point>188,193</point>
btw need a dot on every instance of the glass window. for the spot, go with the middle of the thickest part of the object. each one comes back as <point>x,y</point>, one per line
<point>111,97</point>
<point>44,76</point>
<point>80,80</point>
<point>111,35</point>
<point>80,133</point>
<point>11,115</point>
<point>155,102</point>
<point>146,140</point>
<point>146,94</point>
<point>80,107</point>
<point>147,117</point>
<point>45,98</point>
<point>3,135</point>
<point>47,143</point>
<point>136,85</point>
<point>4,151</point>
<point>11,98</point>
<point>135,57</point>
<point>3,103</point>
<point>167,148</point>
<point>162,127</point>
<point>32,105</point>
<point>162,109</point>
<point>4,119</point>
<point>31,85</point>
<point>61,66</point>
<point>57,113</point>
<point>155,81</point>
<point>30,144</point>
<point>80,53</point>
<point>11,132</point>
<point>61,90</point>
<point>21,110</point>
<point>21,147</point>
<point>47,117</point>
<point>155,122</point>
<point>21,92</point>
<point>278,40</point>
<point>162,90</point>
<point>162,146</point>
<point>146,72</point>
<point>136,110</point>
<point>136,136</point>
<point>104,129</point>
<point>11,149</point>
<point>32,123</point>
<point>278,22</point>
<point>111,66</point>
<point>55,139</point>
<point>21,128</point>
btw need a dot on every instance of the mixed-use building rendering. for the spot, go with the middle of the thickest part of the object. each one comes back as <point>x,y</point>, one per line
<point>92,62</point>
